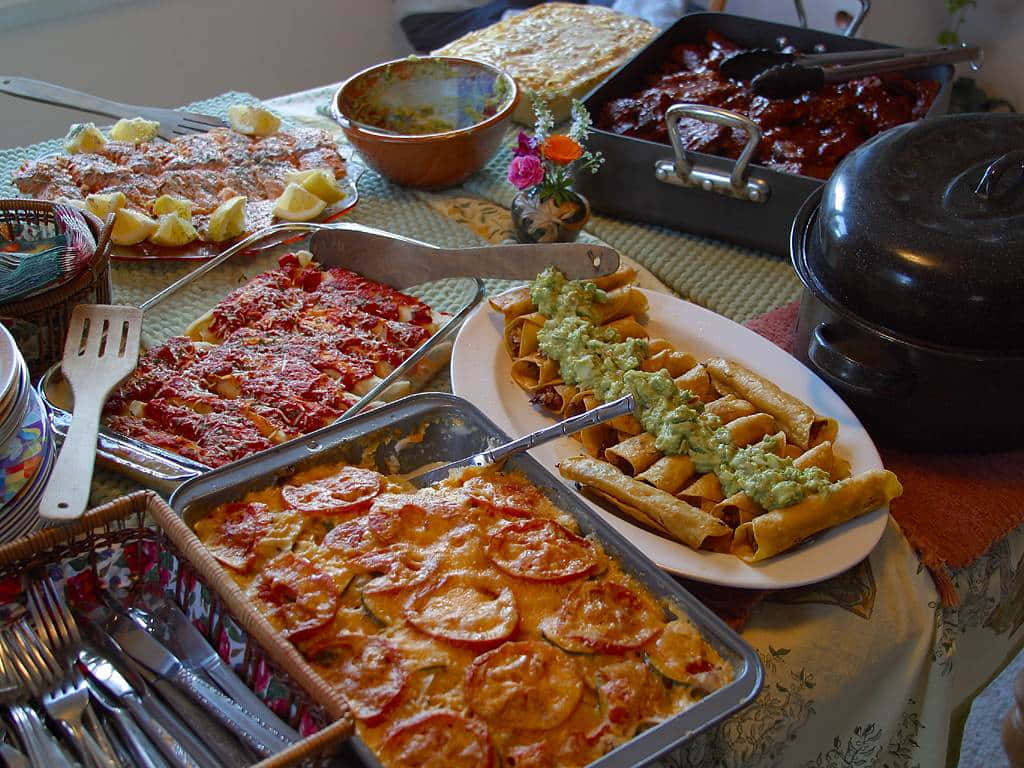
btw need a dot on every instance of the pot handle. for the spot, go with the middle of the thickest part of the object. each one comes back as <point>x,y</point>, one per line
<point>845,373</point>
<point>851,30</point>
<point>681,172</point>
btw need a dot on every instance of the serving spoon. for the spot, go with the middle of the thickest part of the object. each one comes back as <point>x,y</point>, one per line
<point>427,475</point>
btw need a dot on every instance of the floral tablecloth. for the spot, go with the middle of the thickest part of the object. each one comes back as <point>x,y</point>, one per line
<point>865,669</point>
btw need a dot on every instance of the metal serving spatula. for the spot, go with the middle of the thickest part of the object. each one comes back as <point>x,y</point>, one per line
<point>425,476</point>
<point>101,349</point>
<point>173,122</point>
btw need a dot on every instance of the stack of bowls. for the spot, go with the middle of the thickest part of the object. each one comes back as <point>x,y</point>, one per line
<point>27,448</point>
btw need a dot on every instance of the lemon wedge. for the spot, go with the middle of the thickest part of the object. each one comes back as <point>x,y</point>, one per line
<point>319,181</point>
<point>227,221</point>
<point>135,130</point>
<point>252,120</point>
<point>170,204</point>
<point>103,205</point>
<point>298,204</point>
<point>84,137</point>
<point>131,227</point>
<point>172,231</point>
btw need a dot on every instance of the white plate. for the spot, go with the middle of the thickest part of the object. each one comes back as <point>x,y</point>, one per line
<point>481,374</point>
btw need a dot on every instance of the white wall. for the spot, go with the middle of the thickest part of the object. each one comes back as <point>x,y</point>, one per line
<point>174,52</point>
<point>996,25</point>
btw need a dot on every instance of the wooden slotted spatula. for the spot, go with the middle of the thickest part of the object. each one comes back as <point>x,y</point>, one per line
<point>101,349</point>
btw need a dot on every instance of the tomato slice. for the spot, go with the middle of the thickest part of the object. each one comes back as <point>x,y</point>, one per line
<point>347,540</point>
<point>629,689</point>
<point>295,595</point>
<point>350,490</point>
<point>438,739</point>
<point>536,755</point>
<point>399,567</point>
<point>682,655</point>
<point>419,519</point>
<point>606,617</point>
<point>470,610</point>
<point>541,550</point>
<point>368,670</point>
<point>527,684</point>
<point>233,532</point>
<point>505,494</point>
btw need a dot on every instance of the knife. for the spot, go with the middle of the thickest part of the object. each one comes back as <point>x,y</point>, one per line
<point>168,623</point>
<point>104,673</point>
<point>210,745</point>
<point>140,749</point>
<point>401,262</point>
<point>148,651</point>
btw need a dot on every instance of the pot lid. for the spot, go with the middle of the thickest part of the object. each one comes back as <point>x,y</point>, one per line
<point>921,231</point>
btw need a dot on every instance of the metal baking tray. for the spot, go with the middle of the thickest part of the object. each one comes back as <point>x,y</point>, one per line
<point>201,288</point>
<point>452,428</point>
<point>701,193</point>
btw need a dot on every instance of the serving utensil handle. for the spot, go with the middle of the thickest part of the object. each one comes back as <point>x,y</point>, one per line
<point>67,493</point>
<point>570,426</point>
<point>950,55</point>
<point>48,93</point>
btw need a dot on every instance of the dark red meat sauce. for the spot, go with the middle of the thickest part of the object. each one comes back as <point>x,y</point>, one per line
<point>806,135</point>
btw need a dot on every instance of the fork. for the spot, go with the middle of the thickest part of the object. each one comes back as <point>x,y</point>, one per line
<point>63,698</point>
<point>56,626</point>
<point>42,747</point>
<point>173,122</point>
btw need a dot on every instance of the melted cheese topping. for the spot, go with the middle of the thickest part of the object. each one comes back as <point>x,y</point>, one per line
<point>559,50</point>
<point>433,644</point>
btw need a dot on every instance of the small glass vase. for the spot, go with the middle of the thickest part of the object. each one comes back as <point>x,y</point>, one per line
<point>545,221</point>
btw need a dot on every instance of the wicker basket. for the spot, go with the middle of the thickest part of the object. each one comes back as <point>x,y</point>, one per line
<point>40,322</point>
<point>88,546</point>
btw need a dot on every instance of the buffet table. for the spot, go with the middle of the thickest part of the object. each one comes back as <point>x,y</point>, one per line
<point>869,668</point>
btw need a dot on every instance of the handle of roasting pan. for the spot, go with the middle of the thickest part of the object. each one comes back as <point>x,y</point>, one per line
<point>851,30</point>
<point>844,372</point>
<point>683,173</point>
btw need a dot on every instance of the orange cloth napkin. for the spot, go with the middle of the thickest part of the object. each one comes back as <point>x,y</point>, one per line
<point>954,505</point>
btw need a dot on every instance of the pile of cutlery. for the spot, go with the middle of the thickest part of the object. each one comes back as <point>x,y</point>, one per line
<point>117,685</point>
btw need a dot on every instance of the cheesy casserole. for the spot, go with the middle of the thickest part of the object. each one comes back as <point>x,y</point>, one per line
<point>559,50</point>
<point>466,624</point>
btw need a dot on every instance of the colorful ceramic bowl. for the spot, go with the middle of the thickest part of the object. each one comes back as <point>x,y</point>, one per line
<point>427,122</point>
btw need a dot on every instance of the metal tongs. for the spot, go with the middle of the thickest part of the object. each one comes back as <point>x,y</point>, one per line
<point>777,74</point>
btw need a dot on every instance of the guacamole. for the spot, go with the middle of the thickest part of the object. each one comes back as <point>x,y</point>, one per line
<point>594,357</point>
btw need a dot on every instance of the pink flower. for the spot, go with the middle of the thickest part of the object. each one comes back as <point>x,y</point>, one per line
<point>527,145</point>
<point>525,171</point>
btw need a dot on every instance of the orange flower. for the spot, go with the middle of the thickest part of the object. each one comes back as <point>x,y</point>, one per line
<point>560,149</point>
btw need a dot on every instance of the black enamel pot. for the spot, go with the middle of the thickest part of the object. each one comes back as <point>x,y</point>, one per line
<point>912,260</point>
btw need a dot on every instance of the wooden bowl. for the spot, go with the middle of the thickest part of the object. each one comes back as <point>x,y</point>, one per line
<point>427,122</point>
